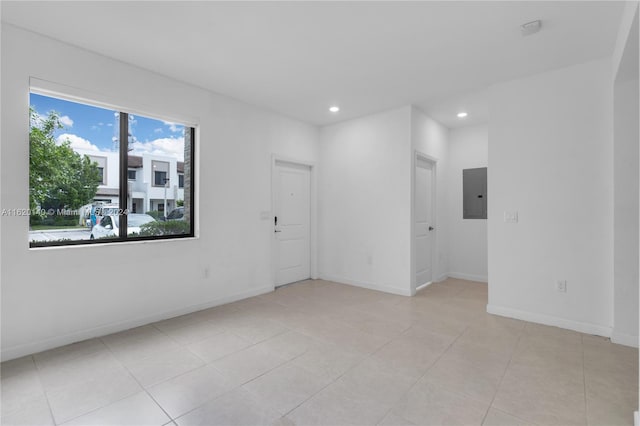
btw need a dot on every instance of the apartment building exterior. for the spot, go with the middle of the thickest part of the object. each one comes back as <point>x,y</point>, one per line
<point>155,182</point>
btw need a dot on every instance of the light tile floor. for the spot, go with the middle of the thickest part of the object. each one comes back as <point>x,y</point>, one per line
<point>321,353</point>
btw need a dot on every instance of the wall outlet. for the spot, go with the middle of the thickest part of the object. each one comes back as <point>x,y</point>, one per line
<point>205,273</point>
<point>511,217</point>
<point>369,259</point>
<point>561,286</point>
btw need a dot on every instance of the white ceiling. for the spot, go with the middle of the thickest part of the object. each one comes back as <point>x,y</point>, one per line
<point>298,58</point>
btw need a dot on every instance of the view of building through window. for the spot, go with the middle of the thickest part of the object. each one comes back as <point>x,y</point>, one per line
<point>77,192</point>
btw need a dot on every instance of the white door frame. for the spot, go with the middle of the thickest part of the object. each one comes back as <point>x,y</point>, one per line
<point>417,155</point>
<point>313,234</point>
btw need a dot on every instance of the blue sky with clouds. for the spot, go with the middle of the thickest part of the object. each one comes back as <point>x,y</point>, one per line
<point>91,128</point>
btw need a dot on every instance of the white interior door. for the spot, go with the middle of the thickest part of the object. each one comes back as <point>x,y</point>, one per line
<point>292,222</point>
<point>423,215</point>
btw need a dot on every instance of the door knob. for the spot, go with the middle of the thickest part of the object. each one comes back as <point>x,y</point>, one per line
<point>431,228</point>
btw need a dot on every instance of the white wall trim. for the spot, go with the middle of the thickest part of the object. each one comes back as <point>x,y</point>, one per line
<point>624,339</point>
<point>441,278</point>
<point>103,330</point>
<point>370,286</point>
<point>470,277</point>
<point>582,327</point>
<point>423,286</point>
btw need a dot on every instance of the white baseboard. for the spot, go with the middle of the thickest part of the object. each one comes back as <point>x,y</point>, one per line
<point>103,330</point>
<point>442,278</point>
<point>624,339</point>
<point>581,327</point>
<point>425,285</point>
<point>370,286</point>
<point>469,277</point>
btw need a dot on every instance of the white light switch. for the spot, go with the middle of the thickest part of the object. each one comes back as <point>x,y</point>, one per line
<point>265,215</point>
<point>511,217</point>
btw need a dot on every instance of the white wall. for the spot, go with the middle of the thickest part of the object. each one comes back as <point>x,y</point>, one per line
<point>625,157</point>
<point>55,296</point>
<point>365,189</point>
<point>551,153</point>
<point>468,149</point>
<point>431,138</point>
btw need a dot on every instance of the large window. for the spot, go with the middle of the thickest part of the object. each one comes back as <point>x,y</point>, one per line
<point>98,175</point>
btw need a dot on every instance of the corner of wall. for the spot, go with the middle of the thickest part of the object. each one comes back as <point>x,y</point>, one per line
<point>626,23</point>
<point>624,339</point>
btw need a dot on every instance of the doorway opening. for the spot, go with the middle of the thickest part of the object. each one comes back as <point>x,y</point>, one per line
<point>424,221</point>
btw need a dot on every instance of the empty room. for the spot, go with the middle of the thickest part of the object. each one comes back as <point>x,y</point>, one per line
<point>319,213</point>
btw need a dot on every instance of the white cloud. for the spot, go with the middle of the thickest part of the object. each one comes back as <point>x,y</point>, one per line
<point>170,147</point>
<point>66,121</point>
<point>172,126</point>
<point>76,142</point>
<point>158,130</point>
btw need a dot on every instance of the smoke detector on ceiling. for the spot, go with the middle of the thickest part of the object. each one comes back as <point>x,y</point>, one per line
<point>530,27</point>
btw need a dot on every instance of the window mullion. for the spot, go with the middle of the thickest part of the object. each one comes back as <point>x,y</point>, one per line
<point>124,174</point>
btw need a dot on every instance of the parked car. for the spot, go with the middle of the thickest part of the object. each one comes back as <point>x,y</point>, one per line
<point>176,214</point>
<point>98,211</point>
<point>108,225</point>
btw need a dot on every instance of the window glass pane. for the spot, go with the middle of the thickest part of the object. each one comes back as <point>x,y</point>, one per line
<point>161,194</point>
<point>73,167</point>
<point>160,178</point>
<point>75,183</point>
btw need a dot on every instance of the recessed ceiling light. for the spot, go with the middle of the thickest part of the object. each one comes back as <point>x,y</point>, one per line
<point>334,108</point>
<point>462,114</point>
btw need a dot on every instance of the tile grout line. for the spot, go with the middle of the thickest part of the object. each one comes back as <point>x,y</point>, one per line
<point>584,381</point>
<point>338,377</point>
<point>114,401</point>
<point>327,385</point>
<point>44,391</point>
<point>207,363</point>
<point>422,376</point>
<point>184,346</point>
<point>85,381</point>
<point>291,362</point>
<point>238,386</point>
<point>139,384</point>
<point>504,373</point>
<point>430,366</point>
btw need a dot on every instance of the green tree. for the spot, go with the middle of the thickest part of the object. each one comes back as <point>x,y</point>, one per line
<point>59,177</point>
